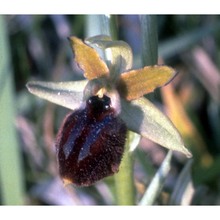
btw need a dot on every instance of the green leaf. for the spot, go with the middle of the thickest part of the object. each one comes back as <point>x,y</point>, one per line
<point>142,117</point>
<point>149,39</point>
<point>67,94</point>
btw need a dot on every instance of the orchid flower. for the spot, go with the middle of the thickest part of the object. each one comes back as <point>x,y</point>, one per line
<point>114,77</point>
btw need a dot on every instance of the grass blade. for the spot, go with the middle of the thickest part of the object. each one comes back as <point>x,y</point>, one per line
<point>11,176</point>
<point>184,190</point>
<point>183,42</point>
<point>149,39</point>
<point>158,181</point>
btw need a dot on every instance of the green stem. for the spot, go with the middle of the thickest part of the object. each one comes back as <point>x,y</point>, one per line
<point>124,179</point>
<point>11,176</point>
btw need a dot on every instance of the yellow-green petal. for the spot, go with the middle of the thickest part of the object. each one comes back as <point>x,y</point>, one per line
<point>88,59</point>
<point>136,83</point>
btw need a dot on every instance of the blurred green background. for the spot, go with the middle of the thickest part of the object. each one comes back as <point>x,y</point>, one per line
<point>35,47</point>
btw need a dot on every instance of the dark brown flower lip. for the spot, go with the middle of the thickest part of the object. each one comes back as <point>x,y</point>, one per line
<point>90,143</point>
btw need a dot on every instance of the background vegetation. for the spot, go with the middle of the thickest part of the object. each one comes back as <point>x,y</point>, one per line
<point>36,48</point>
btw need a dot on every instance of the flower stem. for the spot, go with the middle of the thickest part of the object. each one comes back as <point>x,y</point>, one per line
<point>124,179</point>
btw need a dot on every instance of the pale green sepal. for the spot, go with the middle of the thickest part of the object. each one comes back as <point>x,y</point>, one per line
<point>143,117</point>
<point>67,94</point>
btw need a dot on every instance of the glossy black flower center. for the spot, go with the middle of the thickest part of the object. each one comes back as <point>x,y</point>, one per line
<point>98,105</point>
<point>90,143</point>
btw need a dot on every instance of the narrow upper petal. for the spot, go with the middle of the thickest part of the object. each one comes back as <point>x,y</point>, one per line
<point>88,59</point>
